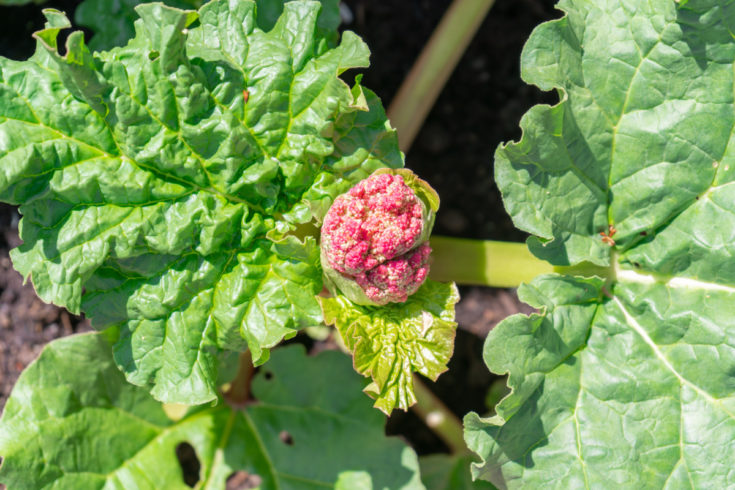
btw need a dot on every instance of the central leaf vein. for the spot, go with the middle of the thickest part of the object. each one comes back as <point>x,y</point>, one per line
<point>633,323</point>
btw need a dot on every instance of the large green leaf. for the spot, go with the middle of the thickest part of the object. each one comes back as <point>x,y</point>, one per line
<point>73,421</point>
<point>389,343</point>
<point>625,381</point>
<point>160,182</point>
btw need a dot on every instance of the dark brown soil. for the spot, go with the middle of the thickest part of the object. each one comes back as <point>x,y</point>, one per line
<point>26,322</point>
<point>479,108</point>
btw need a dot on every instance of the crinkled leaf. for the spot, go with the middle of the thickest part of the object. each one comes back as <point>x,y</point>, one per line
<point>159,182</point>
<point>112,21</point>
<point>328,21</point>
<point>73,421</point>
<point>625,381</point>
<point>389,343</point>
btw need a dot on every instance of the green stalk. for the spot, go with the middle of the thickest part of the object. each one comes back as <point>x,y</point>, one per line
<point>238,391</point>
<point>438,417</point>
<point>497,264</point>
<point>484,262</point>
<point>431,70</point>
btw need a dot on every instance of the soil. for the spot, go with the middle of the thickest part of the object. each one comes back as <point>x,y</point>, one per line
<point>479,108</point>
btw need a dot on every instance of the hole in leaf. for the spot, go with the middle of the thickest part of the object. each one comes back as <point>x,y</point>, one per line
<point>189,463</point>
<point>268,375</point>
<point>286,438</point>
<point>153,55</point>
<point>242,480</point>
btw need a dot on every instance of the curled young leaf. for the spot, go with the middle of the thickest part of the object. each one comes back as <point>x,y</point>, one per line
<point>389,343</point>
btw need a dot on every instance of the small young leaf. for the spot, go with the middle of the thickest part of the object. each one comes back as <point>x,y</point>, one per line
<point>73,422</point>
<point>389,343</point>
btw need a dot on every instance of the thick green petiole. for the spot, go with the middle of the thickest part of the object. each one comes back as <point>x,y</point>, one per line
<point>438,417</point>
<point>484,262</point>
<point>496,264</point>
<point>429,74</point>
<point>238,391</point>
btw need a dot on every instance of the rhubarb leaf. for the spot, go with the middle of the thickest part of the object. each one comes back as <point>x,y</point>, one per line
<point>389,343</point>
<point>163,184</point>
<point>625,380</point>
<point>72,421</point>
<point>113,21</point>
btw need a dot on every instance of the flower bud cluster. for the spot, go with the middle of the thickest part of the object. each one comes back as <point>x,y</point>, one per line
<point>372,236</point>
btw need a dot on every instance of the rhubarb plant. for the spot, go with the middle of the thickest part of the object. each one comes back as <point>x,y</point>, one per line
<point>214,186</point>
<point>623,378</point>
<point>375,256</point>
<point>173,190</point>
<point>177,194</point>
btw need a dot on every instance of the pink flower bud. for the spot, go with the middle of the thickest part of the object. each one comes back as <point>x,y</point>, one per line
<point>372,236</point>
<point>395,280</point>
